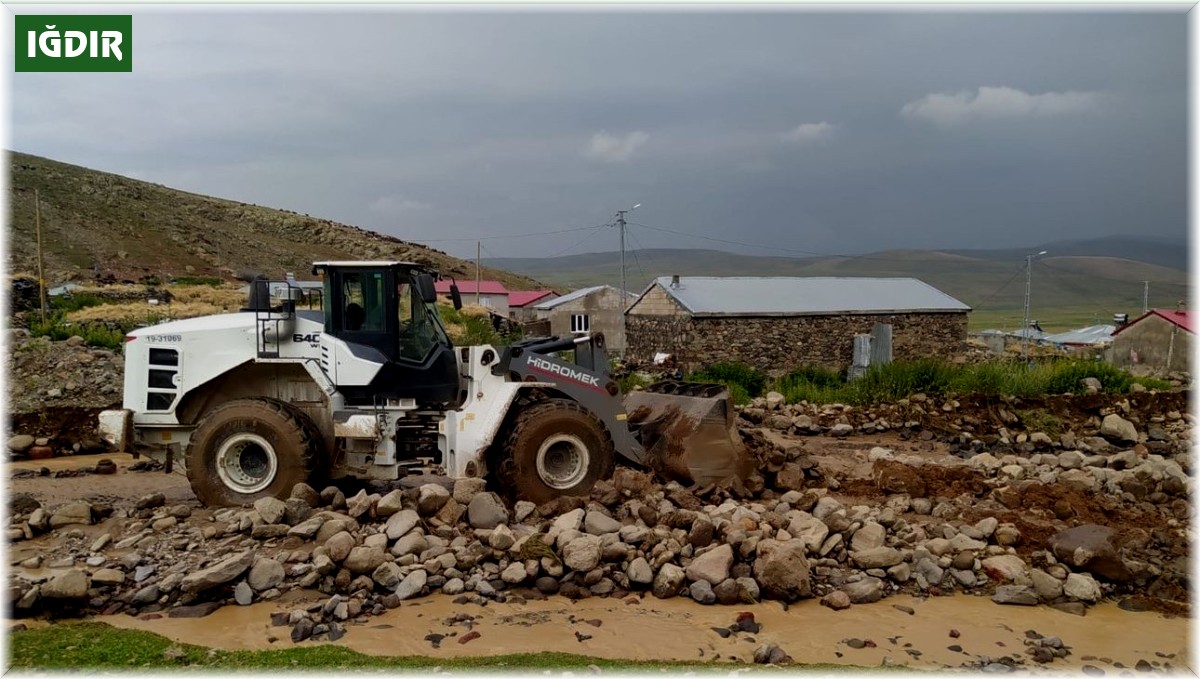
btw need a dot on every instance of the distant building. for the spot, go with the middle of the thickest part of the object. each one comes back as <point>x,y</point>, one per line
<point>1159,340</point>
<point>521,302</point>
<point>492,294</point>
<point>780,324</point>
<point>1091,336</point>
<point>595,309</point>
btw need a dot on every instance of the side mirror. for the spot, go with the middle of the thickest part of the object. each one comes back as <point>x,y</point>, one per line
<point>455,296</point>
<point>425,288</point>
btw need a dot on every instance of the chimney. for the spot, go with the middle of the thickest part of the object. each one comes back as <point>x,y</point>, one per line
<point>675,281</point>
<point>1181,306</point>
<point>1120,319</point>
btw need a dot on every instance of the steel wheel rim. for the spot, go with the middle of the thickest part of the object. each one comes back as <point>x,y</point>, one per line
<point>562,461</point>
<point>246,463</point>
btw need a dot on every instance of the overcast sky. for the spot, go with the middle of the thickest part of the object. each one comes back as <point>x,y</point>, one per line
<point>829,133</point>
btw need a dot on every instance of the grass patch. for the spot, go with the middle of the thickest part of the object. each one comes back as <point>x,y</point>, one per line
<point>901,379</point>
<point>743,381</point>
<point>94,645</point>
<point>211,281</point>
<point>472,325</point>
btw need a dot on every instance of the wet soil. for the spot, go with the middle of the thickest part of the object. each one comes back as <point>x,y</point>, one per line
<point>675,629</point>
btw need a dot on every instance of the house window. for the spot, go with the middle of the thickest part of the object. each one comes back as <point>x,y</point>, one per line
<point>580,323</point>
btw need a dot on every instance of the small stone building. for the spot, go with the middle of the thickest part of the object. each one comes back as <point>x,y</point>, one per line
<point>491,295</point>
<point>521,303</point>
<point>1158,341</point>
<point>780,324</point>
<point>595,309</point>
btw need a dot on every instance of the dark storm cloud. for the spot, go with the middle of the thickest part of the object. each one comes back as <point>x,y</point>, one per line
<point>840,132</point>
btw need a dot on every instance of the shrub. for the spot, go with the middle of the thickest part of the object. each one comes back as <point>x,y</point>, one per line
<point>750,380</point>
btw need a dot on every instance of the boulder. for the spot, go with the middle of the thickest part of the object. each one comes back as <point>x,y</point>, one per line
<point>1118,428</point>
<point>1047,586</point>
<point>466,489</point>
<point>501,538</point>
<point>1082,586</point>
<point>865,591</point>
<point>781,569</point>
<point>270,509</point>
<point>870,536</point>
<point>702,593</point>
<point>108,577</point>
<point>412,584</point>
<point>582,553</point>
<point>306,493</point>
<point>362,560</point>
<point>486,511</point>
<point>339,546</point>
<point>20,443</point>
<point>387,575</point>
<point>71,513</point>
<point>837,600</point>
<point>431,497</point>
<point>391,503</point>
<point>639,571</point>
<point>1092,548</point>
<point>243,594</point>
<point>1007,568</point>
<point>879,557</point>
<point>711,566</point>
<point>399,524</point>
<point>265,574</point>
<point>1018,595</point>
<point>597,523</point>
<point>668,581</point>
<point>808,529</point>
<point>222,572</point>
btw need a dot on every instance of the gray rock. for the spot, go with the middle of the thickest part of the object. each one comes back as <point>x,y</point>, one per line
<point>71,513</point>
<point>108,577</point>
<point>572,520</point>
<point>639,571</point>
<point>486,511</point>
<point>808,528</point>
<point>1116,427</point>
<point>1092,548</point>
<point>222,572</point>
<point>1007,568</point>
<point>413,543</point>
<point>836,600</point>
<point>339,546</point>
<point>870,536</point>
<point>146,595</point>
<point>598,523</point>
<point>296,511</point>
<point>243,594</point>
<point>431,497</point>
<point>359,505</point>
<point>1017,595</point>
<point>711,566</point>
<point>151,501</point>
<point>1047,586</point>
<point>928,569</point>
<point>270,509</point>
<point>466,489</point>
<point>412,584</point>
<point>305,492</point>
<point>454,587</point>
<point>501,538</point>
<point>391,503</point>
<point>514,574</point>
<point>20,443</point>
<point>864,591</point>
<point>582,553</point>
<point>771,654</point>
<point>522,510</point>
<point>387,575</point>
<point>307,529</point>
<point>782,570</point>
<point>1082,586</point>
<point>400,523</point>
<point>265,574</point>
<point>668,581</point>
<point>363,560</point>
<point>69,585</point>
<point>702,592</point>
<point>879,557</point>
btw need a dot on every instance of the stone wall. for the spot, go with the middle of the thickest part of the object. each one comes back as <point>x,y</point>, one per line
<point>1153,344</point>
<point>780,344</point>
<point>603,309</point>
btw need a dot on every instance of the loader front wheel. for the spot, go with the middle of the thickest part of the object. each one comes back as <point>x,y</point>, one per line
<point>556,448</point>
<point>250,449</point>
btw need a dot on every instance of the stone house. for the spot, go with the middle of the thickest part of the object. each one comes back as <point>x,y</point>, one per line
<point>780,324</point>
<point>595,309</point>
<point>1158,341</point>
<point>492,295</point>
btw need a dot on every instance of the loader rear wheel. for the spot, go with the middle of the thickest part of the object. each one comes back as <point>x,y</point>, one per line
<point>249,449</point>
<point>555,448</point>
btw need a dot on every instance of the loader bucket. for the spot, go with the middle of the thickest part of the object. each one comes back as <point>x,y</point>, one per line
<point>688,432</point>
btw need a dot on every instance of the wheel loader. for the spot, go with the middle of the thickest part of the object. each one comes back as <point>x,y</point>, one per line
<point>369,385</point>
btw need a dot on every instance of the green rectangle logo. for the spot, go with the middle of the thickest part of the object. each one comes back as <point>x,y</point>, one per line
<point>74,42</point>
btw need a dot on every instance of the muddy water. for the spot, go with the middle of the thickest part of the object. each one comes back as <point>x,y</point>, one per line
<point>680,630</point>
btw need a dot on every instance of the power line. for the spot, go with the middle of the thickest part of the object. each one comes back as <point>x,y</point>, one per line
<point>595,230</point>
<point>511,235</point>
<point>998,290</point>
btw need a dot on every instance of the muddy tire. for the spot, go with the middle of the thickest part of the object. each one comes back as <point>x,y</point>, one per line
<point>249,449</point>
<point>555,447</point>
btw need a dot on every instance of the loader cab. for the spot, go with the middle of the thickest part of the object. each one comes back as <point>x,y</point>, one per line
<point>387,312</point>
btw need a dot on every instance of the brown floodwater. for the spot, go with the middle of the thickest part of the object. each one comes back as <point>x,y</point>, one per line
<point>677,629</point>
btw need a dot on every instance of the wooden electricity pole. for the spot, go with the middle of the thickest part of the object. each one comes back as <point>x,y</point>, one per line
<point>37,220</point>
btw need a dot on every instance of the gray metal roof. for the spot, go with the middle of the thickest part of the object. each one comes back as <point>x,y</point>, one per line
<point>785,296</point>
<point>577,294</point>
<point>1093,334</point>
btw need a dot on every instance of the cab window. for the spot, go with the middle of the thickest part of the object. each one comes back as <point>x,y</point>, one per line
<point>418,333</point>
<point>363,302</point>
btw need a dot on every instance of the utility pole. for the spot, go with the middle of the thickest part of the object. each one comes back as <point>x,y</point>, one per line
<point>478,247</point>
<point>1145,296</point>
<point>37,220</point>
<point>624,295</point>
<point>1025,318</point>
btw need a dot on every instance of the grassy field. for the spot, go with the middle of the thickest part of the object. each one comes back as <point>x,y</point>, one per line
<point>97,646</point>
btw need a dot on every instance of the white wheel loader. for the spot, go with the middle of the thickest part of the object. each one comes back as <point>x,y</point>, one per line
<point>370,386</point>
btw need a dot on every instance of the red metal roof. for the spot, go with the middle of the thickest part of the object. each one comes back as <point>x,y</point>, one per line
<point>1180,318</point>
<point>468,286</point>
<point>520,298</point>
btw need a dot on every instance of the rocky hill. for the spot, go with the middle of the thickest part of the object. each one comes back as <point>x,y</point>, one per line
<point>96,224</point>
